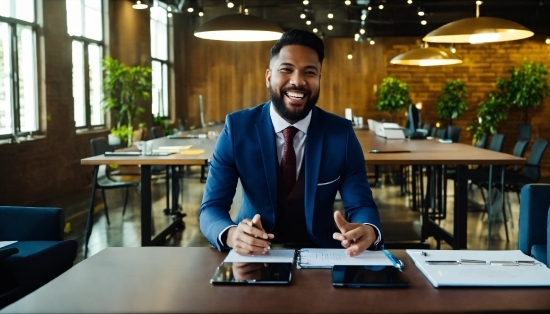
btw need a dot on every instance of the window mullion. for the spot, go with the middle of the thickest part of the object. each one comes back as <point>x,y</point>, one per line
<point>87,103</point>
<point>16,123</point>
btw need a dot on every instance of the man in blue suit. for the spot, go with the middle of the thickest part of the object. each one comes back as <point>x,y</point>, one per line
<point>291,158</point>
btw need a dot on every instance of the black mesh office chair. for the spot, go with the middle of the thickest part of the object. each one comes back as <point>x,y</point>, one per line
<point>482,142</point>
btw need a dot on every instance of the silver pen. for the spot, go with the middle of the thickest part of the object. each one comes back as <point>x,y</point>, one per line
<point>457,262</point>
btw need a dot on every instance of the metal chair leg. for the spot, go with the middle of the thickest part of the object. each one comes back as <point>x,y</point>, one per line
<point>105,206</point>
<point>90,221</point>
<point>125,202</point>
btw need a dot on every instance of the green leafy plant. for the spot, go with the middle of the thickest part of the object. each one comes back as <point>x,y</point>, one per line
<point>124,133</point>
<point>526,87</point>
<point>451,104</point>
<point>393,95</point>
<point>489,114</point>
<point>123,86</point>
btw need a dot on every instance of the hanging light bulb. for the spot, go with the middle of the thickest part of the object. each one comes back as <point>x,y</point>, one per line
<point>356,37</point>
<point>423,22</point>
<point>361,31</point>
<point>381,7</point>
<point>308,22</point>
<point>303,16</point>
<point>246,11</point>
<point>330,15</point>
<point>547,41</point>
<point>409,1</point>
<point>369,8</point>
<point>139,5</point>
<point>315,30</point>
<point>420,11</point>
<point>372,42</point>
<point>230,4</point>
<point>452,48</point>
<point>305,2</point>
<point>190,9</point>
<point>350,56</point>
<point>347,2</point>
<point>329,27</point>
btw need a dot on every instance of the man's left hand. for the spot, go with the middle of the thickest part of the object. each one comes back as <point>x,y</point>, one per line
<point>355,238</point>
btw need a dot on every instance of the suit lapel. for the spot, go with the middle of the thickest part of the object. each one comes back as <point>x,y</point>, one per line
<point>266,138</point>
<point>314,148</point>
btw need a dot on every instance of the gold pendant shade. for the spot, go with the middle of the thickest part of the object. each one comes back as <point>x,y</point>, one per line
<point>239,27</point>
<point>429,56</point>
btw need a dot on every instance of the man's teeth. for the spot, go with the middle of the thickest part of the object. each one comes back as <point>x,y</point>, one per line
<point>295,95</point>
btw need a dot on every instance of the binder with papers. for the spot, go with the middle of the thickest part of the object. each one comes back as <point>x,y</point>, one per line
<point>326,258</point>
<point>469,268</point>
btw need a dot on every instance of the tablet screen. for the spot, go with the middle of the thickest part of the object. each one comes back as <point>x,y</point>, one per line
<point>367,276</point>
<point>252,273</point>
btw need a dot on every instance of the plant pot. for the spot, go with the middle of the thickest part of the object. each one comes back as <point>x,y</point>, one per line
<point>114,140</point>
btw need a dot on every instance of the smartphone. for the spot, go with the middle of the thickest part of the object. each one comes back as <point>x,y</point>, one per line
<point>253,273</point>
<point>368,277</point>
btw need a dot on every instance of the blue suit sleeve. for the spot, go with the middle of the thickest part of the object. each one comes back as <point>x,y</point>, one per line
<point>220,188</point>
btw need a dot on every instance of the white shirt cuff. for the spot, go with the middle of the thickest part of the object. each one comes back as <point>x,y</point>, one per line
<point>379,237</point>
<point>220,242</point>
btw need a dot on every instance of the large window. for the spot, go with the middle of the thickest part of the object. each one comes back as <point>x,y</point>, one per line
<point>18,77</point>
<point>85,26</point>
<point>159,63</point>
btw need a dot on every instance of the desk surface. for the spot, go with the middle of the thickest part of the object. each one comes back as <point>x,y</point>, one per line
<point>429,152</point>
<point>174,160</point>
<point>176,280</point>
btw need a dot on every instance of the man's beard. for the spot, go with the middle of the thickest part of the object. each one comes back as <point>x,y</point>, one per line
<point>278,102</point>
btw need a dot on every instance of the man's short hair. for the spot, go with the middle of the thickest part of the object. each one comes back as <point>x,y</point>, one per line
<point>299,37</point>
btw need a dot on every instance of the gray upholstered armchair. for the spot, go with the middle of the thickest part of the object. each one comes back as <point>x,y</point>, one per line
<point>534,221</point>
<point>38,256</point>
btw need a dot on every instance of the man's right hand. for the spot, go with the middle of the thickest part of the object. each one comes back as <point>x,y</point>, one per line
<point>249,237</point>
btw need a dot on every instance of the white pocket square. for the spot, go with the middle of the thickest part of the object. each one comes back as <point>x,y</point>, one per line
<point>326,183</point>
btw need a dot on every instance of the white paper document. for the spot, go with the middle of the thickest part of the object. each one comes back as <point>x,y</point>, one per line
<point>272,256</point>
<point>6,243</point>
<point>471,268</point>
<point>326,258</point>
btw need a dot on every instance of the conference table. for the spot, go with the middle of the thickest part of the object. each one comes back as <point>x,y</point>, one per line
<point>176,280</point>
<point>433,152</point>
<point>203,143</point>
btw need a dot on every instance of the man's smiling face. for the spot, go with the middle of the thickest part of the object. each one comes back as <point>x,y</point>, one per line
<point>293,79</point>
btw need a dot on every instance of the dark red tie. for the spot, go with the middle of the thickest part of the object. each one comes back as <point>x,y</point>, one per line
<point>288,162</point>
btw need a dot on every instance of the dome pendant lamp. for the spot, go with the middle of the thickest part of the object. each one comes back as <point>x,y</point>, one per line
<point>239,27</point>
<point>427,56</point>
<point>477,30</point>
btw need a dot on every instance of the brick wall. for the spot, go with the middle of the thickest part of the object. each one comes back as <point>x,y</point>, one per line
<point>482,65</point>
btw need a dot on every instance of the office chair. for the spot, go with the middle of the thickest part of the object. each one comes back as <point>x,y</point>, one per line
<point>481,142</point>
<point>441,133</point>
<point>103,182</point>
<point>453,133</point>
<point>40,253</point>
<point>534,222</point>
<point>413,118</point>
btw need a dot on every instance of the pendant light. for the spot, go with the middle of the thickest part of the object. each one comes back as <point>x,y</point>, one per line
<point>427,56</point>
<point>476,30</point>
<point>140,5</point>
<point>239,27</point>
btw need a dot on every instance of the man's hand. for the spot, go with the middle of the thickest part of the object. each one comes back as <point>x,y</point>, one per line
<point>354,237</point>
<point>249,237</point>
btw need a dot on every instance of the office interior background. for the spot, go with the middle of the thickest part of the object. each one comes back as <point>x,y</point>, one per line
<point>49,117</point>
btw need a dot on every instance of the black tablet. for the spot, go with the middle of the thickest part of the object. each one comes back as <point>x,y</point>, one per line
<point>253,273</point>
<point>368,277</point>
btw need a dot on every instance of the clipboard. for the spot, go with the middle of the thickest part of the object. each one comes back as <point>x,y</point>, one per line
<point>327,258</point>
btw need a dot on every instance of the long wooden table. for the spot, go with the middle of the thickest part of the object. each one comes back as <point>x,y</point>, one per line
<point>145,162</point>
<point>176,280</point>
<point>432,152</point>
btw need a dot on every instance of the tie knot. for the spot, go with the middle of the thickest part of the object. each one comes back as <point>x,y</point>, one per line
<point>289,133</point>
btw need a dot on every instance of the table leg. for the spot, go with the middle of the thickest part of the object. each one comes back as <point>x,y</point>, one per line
<point>460,233</point>
<point>146,207</point>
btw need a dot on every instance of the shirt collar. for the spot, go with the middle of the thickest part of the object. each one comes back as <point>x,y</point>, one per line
<point>279,124</point>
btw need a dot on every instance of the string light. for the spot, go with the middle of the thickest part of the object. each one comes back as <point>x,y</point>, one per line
<point>305,2</point>
<point>347,2</point>
<point>308,22</point>
<point>409,1</point>
<point>330,15</point>
<point>315,30</point>
<point>329,27</point>
<point>350,56</point>
<point>381,7</point>
<point>230,4</point>
<point>372,42</point>
<point>423,22</point>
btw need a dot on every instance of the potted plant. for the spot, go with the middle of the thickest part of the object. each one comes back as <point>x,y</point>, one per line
<point>123,86</point>
<point>526,86</point>
<point>489,115</point>
<point>451,104</point>
<point>393,95</point>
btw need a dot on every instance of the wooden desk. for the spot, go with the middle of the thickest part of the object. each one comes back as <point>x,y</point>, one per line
<point>176,280</point>
<point>146,162</point>
<point>432,152</point>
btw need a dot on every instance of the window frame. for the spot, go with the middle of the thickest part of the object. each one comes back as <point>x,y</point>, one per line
<point>86,42</point>
<point>15,103</point>
<point>164,63</point>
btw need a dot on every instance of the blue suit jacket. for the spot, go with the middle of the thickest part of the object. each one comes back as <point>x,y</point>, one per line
<point>246,150</point>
